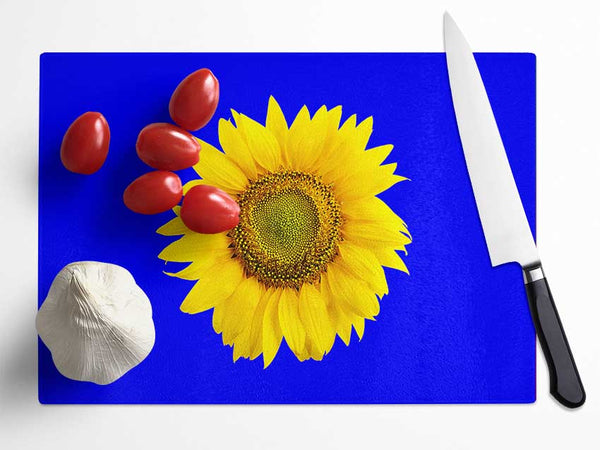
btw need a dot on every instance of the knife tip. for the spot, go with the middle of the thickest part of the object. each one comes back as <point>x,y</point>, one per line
<point>448,20</point>
<point>450,29</point>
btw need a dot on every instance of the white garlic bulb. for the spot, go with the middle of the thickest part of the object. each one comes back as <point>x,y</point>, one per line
<point>96,321</point>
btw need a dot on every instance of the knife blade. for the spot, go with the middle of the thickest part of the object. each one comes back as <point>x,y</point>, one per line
<point>506,230</point>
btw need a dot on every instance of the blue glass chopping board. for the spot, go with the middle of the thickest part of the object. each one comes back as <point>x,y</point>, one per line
<point>455,330</point>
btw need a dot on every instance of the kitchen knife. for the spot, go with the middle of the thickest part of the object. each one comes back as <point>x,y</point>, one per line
<point>505,225</point>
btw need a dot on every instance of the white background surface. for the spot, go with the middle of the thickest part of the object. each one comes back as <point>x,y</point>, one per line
<point>566,38</point>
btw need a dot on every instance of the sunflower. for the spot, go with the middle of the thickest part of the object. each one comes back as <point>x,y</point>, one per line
<point>305,263</point>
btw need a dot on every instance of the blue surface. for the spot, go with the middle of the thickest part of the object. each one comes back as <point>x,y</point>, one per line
<point>455,331</point>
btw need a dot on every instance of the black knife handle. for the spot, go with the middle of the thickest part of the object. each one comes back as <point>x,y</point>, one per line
<point>565,383</point>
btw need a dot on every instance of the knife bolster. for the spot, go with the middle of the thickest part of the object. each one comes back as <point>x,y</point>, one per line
<point>532,274</point>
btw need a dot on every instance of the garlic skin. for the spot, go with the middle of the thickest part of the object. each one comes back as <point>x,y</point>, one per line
<point>96,321</point>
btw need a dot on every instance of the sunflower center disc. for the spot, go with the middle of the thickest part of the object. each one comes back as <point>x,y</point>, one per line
<point>289,228</point>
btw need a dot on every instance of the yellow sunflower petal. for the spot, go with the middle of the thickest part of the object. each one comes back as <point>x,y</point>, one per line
<point>261,142</point>
<point>344,156</point>
<point>359,326</point>
<point>361,164</point>
<point>352,294</point>
<point>344,138</point>
<point>386,179</point>
<point>174,227</point>
<point>368,234</point>
<point>368,184</point>
<point>218,170</point>
<point>297,128</point>
<point>272,334</point>
<point>337,150</point>
<point>303,354</point>
<point>339,318</point>
<point>315,319</point>
<point>190,184</point>
<point>217,318</point>
<point>373,209</point>
<point>204,263</point>
<point>289,320</point>
<point>276,122</point>
<point>243,342</point>
<point>389,258</point>
<point>306,138</point>
<point>343,326</point>
<point>348,126</point>
<point>377,155</point>
<point>334,116</point>
<point>214,287</point>
<point>255,339</point>
<point>313,351</point>
<point>235,147</point>
<point>358,140</point>
<point>239,308</point>
<point>241,346</point>
<point>236,116</point>
<point>363,265</point>
<point>193,245</point>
